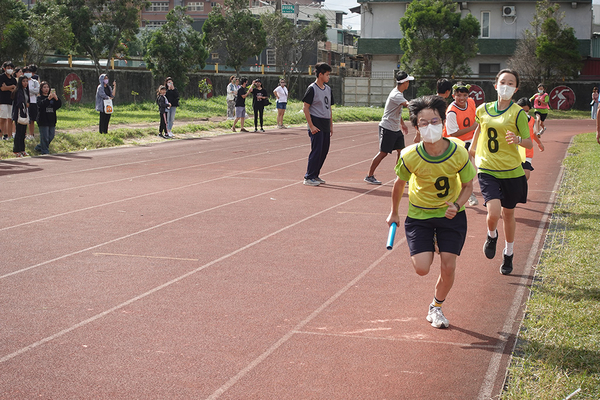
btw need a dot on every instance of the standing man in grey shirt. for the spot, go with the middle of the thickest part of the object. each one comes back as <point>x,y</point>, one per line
<point>317,110</point>
<point>391,128</point>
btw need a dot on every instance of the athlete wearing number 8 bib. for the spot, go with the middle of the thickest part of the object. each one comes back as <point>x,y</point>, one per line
<point>503,128</point>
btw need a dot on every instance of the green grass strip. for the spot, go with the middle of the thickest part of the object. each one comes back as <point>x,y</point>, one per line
<point>558,350</point>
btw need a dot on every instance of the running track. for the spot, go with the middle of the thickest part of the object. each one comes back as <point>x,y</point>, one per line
<point>204,269</point>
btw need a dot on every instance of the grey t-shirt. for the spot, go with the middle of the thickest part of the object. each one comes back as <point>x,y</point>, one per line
<point>320,100</point>
<point>393,111</point>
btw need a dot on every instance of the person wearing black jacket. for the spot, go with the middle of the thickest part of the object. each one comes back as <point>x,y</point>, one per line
<point>20,98</point>
<point>259,101</point>
<point>48,102</point>
<point>173,98</point>
<point>163,109</point>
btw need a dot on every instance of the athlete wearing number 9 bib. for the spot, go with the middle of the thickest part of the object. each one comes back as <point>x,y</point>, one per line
<point>503,127</point>
<point>440,177</point>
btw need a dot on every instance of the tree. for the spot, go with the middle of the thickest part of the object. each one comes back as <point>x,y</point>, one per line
<point>100,26</point>
<point>14,33</point>
<point>175,48</point>
<point>436,40</point>
<point>49,31</point>
<point>234,28</point>
<point>549,51</point>
<point>292,43</point>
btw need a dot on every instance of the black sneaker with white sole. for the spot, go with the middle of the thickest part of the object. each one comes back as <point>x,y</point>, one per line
<point>507,265</point>
<point>489,247</point>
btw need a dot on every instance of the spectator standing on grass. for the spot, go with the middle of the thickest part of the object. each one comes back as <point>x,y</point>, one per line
<point>281,93</point>
<point>594,102</point>
<point>20,106</point>
<point>104,92</point>
<point>34,91</point>
<point>232,89</point>
<point>173,99</point>
<point>8,83</point>
<point>47,103</point>
<point>318,100</point>
<point>163,107</point>
<point>240,104</point>
<point>391,128</point>
<point>261,97</point>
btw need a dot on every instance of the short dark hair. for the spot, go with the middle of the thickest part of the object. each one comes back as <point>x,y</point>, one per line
<point>460,87</point>
<point>443,85</point>
<point>8,64</point>
<point>524,101</point>
<point>32,68</point>
<point>433,102</point>
<point>26,69</point>
<point>401,75</point>
<point>508,71</point>
<point>167,79</point>
<point>540,85</point>
<point>243,80</point>
<point>321,68</point>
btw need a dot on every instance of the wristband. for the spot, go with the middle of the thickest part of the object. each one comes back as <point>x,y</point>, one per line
<point>457,206</point>
<point>520,139</point>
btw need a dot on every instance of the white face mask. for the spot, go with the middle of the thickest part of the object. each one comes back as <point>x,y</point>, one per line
<point>540,91</point>
<point>431,133</point>
<point>106,81</point>
<point>28,74</point>
<point>505,92</point>
<point>10,71</point>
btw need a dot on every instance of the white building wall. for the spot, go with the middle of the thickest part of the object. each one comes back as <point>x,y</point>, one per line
<point>382,20</point>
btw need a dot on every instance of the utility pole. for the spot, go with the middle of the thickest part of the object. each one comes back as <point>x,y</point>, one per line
<point>278,6</point>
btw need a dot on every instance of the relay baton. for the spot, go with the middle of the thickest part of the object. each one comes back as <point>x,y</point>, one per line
<point>391,235</point>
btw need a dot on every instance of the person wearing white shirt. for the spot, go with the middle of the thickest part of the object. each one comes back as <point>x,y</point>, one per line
<point>34,91</point>
<point>281,93</point>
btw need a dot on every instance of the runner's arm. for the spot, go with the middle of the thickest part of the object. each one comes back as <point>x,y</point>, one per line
<point>397,192</point>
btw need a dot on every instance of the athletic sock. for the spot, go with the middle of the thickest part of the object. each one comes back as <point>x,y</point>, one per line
<point>492,234</point>
<point>508,248</point>
<point>436,303</point>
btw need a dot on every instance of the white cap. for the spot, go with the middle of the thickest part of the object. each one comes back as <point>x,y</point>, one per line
<point>408,78</point>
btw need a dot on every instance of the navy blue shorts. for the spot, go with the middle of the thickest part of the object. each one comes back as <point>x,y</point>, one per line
<point>542,115</point>
<point>510,191</point>
<point>449,233</point>
<point>390,140</point>
<point>281,105</point>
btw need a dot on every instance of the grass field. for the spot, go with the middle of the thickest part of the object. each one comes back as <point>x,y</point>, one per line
<point>559,345</point>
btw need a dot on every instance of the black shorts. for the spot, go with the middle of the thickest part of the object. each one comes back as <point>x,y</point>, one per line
<point>450,234</point>
<point>33,112</point>
<point>542,115</point>
<point>509,191</point>
<point>390,140</point>
<point>527,165</point>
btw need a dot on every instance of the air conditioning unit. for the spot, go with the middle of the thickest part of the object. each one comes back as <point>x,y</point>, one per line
<point>509,11</point>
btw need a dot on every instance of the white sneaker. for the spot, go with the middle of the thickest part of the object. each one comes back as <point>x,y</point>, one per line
<point>436,317</point>
<point>311,182</point>
<point>170,134</point>
<point>473,200</point>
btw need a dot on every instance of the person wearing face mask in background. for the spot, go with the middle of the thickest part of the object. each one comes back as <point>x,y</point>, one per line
<point>440,176</point>
<point>34,91</point>
<point>8,83</point>
<point>541,107</point>
<point>460,120</point>
<point>104,92</point>
<point>503,127</point>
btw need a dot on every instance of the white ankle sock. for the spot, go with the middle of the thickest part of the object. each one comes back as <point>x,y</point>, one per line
<point>508,248</point>
<point>492,234</point>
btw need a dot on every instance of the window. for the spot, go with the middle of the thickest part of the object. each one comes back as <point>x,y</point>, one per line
<point>485,24</point>
<point>270,56</point>
<point>214,56</point>
<point>159,7</point>
<point>154,24</point>
<point>195,6</point>
<point>213,3</point>
<point>489,69</point>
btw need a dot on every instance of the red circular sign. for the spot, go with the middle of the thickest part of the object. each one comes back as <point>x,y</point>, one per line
<point>477,94</point>
<point>562,98</point>
<point>72,88</point>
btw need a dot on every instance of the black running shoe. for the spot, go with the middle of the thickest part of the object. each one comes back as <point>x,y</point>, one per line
<point>489,247</point>
<point>506,267</point>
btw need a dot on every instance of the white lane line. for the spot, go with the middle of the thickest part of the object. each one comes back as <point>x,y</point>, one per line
<point>143,256</point>
<point>169,171</point>
<point>170,222</point>
<point>233,380</point>
<point>202,182</point>
<point>485,392</point>
<point>402,339</point>
<point>213,262</point>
